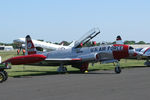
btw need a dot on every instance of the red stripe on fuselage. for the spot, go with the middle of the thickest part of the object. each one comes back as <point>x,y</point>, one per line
<point>77,59</point>
<point>146,50</point>
<point>121,53</point>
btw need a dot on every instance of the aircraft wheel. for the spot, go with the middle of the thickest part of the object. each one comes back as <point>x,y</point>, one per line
<point>64,69</point>
<point>117,70</point>
<point>2,77</point>
<point>83,70</point>
<point>6,75</point>
<point>147,63</point>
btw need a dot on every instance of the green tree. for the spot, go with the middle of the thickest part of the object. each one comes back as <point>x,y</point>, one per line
<point>141,42</point>
<point>65,43</point>
<point>129,42</point>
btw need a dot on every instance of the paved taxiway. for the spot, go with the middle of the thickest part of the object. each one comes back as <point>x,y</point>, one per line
<point>131,84</point>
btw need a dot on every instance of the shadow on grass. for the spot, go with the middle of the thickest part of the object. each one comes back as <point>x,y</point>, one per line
<point>42,73</point>
<point>135,67</point>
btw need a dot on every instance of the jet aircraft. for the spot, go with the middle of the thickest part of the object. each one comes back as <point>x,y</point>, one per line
<point>80,57</point>
<point>77,56</point>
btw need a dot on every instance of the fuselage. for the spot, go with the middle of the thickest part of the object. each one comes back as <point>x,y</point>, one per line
<point>88,54</point>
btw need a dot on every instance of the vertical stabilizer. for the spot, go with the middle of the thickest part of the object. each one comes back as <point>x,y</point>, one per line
<point>119,40</point>
<point>30,48</point>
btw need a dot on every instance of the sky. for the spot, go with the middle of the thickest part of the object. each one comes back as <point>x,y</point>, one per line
<point>58,20</point>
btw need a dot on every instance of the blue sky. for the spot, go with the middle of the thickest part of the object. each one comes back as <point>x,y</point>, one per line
<point>58,20</point>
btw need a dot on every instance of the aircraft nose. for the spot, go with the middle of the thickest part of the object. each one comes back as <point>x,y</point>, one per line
<point>135,53</point>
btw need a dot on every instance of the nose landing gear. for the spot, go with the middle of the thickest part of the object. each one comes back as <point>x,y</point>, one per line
<point>117,68</point>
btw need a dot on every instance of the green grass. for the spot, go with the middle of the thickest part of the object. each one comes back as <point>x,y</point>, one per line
<point>32,70</point>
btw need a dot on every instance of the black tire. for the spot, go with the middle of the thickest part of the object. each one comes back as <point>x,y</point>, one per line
<point>117,70</point>
<point>2,77</point>
<point>6,75</point>
<point>64,69</point>
<point>82,70</point>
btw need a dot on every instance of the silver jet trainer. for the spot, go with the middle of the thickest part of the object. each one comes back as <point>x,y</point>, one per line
<point>80,57</point>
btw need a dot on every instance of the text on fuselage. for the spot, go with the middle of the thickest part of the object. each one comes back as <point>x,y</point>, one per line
<point>108,48</point>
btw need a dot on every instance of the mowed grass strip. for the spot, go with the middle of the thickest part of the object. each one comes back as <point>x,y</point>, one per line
<point>33,70</point>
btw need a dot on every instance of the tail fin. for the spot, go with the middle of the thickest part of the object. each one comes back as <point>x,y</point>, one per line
<point>119,40</point>
<point>30,48</point>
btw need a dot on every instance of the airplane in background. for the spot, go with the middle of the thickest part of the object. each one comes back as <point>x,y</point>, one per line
<point>50,46</point>
<point>41,44</point>
<point>143,53</point>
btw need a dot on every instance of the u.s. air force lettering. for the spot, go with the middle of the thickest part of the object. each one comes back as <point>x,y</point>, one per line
<point>107,48</point>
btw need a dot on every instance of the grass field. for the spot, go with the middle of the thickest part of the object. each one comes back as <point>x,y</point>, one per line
<point>28,70</point>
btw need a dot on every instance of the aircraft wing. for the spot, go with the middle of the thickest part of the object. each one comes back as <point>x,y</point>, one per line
<point>63,59</point>
<point>79,58</point>
<point>57,61</point>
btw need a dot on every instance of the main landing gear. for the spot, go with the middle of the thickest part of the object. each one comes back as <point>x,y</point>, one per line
<point>84,68</point>
<point>147,63</point>
<point>117,68</point>
<point>62,69</point>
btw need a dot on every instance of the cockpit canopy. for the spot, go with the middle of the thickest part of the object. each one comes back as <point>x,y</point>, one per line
<point>131,48</point>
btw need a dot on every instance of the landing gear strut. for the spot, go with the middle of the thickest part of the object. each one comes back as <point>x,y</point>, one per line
<point>84,68</point>
<point>147,63</point>
<point>117,68</point>
<point>62,69</point>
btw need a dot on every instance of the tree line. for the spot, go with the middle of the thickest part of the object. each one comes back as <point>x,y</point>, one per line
<point>88,44</point>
